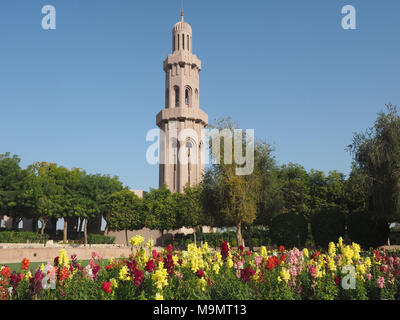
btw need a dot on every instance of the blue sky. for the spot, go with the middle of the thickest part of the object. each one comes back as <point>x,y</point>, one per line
<point>85,95</point>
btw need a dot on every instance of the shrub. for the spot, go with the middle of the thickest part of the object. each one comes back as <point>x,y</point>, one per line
<point>289,229</point>
<point>22,237</point>
<point>100,239</point>
<point>367,231</point>
<point>327,226</point>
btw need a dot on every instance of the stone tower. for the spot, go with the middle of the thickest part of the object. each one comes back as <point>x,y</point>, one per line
<point>182,121</point>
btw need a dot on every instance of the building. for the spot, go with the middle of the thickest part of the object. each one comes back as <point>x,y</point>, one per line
<point>182,121</point>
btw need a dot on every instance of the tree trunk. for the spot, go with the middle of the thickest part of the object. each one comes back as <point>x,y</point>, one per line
<point>65,234</point>
<point>44,222</point>
<point>85,232</point>
<point>106,230</point>
<point>162,238</point>
<point>194,236</point>
<point>239,234</point>
<point>126,237</point>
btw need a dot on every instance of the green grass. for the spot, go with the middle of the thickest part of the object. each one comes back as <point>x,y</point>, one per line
<point>34,265</point>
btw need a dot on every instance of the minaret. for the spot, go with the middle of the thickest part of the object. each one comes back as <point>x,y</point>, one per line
<point>182,121</point>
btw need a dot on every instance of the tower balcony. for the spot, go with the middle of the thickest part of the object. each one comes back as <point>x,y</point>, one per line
<point>182,113</point>
<point>180,57</point>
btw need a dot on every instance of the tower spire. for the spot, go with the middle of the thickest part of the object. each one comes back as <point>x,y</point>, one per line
<point>182,12</point>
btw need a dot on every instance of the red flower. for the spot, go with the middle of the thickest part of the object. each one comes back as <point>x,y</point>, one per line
<point>150,267</point>
<point>282,248</point>
<point>155,254</point>
<point>245,274</point>
<point>169,248</point>
<point>248,253</point>
<point>106,287</point>
<point>337,279</point>
<point>241,248</point>
<point>224,249</point>
<point>25,264</point>
<point>200,273</point>
<point>283,257</point>
<point>272,262</point>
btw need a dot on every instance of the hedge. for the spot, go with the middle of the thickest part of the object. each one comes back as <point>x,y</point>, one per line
<point>100,239</point>
<point>22,237</point>
<point>327,225</point>
<point>289,230</point>
<point>369,232</point>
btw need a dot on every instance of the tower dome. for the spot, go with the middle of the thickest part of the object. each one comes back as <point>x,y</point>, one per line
<point>182,36</point>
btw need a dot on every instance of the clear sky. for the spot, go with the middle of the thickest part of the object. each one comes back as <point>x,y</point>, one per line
<point>85,95</point>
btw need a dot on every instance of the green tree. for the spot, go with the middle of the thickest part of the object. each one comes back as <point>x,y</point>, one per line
<point>43,191</point>
<point>160,210</point>
<point>296,189</point>
<point>269,195</point>
<point>377,154</point>
<point>95,190</point>
<point>124,212</point>
<point>189,209</point>
<point>13,203</point>
<point>234,196</point>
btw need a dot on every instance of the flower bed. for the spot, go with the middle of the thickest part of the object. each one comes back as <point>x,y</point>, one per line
<point>344,272</point>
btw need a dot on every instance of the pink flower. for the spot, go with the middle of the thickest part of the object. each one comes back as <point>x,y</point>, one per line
<point>380,282</point>
<point>369,276</point>
<point>258,260</point>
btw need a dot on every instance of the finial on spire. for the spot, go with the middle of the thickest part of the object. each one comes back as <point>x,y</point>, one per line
<point>182,12</point>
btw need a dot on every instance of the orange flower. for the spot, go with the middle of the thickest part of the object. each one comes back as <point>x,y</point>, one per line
<point>5,272</point>
<point>25,264</point>
<point>64,274</point>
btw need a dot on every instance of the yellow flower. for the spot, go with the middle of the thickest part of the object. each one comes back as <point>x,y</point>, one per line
<point>263,252</point>
<point>160,276</point>
<point>28,275</point>
<point>285,275</point>
<point>111,261</point>
<point>205,247</point>
<point>136,240</point>
<point>42,267</point>
<point>305,252</point>
<point>332,249</point>
<point>368,262</point>
<point>361,269</point>
<point>159,296</point>
<point>150,243</point>
<point>340,244</point>
<point>123,274</point>
<point>202,283</point>
<point>229,262</point>
<point>279,279</point>
<point>114,283</point>
<point>216,268</point>
<point>63,260</point>
<point>331,264</point>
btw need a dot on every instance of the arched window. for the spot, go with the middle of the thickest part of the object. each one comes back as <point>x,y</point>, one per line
<point>183,42</point>
<point>176,92</point>
<point>188,96</point>
<point>178,41</point>
<point>188,43</point>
